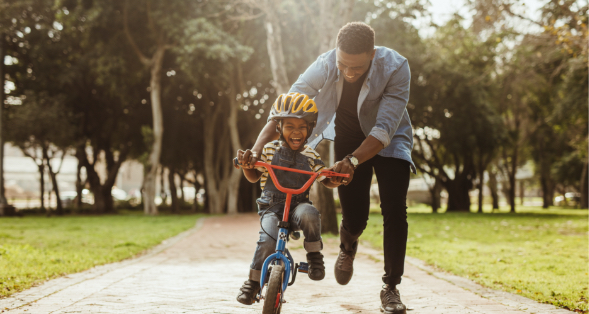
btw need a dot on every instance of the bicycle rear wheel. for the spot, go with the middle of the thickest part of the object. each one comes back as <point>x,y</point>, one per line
<point>272,302</point>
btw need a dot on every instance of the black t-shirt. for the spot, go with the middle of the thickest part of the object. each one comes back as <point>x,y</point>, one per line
<point>347,126</point>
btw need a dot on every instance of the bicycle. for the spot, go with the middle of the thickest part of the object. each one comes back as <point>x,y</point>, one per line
<point>280,265</point>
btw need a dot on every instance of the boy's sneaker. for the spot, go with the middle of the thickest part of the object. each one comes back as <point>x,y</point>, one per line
<point>391,301</point>
<point>248,292</point>
<point>316,266</point>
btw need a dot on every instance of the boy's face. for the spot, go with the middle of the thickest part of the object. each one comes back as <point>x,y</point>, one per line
<point>294,131</point>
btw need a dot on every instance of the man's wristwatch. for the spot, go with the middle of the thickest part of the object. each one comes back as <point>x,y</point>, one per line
<point>353,160</point>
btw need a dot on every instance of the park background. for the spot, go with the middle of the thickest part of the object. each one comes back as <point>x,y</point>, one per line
<point>116,108</point>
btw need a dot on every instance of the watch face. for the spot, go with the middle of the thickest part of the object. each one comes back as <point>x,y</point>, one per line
<point>354,161</point>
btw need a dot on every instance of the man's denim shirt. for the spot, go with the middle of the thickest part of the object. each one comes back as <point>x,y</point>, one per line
<point>381,105</point>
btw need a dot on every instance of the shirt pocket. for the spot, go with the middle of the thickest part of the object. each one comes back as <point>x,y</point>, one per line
<point>368,113</point>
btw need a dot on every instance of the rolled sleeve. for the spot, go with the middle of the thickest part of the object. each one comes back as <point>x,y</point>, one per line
<point>392,105</point>
<point>381,135</point>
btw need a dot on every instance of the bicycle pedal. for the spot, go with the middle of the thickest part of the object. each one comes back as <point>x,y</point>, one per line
<point>304,267</point>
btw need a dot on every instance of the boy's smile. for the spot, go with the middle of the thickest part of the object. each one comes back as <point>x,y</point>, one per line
<point>294,131</point>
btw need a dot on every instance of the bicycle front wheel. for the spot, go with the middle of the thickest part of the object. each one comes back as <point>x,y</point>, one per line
<point>272,302</point>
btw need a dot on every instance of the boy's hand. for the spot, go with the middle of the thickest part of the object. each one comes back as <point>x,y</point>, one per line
<point>343,166</point>
<point>247,158</point>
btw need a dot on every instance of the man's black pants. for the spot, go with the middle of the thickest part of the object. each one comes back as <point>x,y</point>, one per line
<point>392,175</point>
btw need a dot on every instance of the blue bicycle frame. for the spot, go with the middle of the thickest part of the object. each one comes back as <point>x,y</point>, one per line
<point>279,256</point>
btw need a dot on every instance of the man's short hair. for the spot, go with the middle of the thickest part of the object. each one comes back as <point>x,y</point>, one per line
<point>356,38</point>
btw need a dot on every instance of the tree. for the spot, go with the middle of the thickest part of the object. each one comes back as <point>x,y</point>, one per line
<point>154,63</point>
<point>451,110</point>
<point>41,127</point>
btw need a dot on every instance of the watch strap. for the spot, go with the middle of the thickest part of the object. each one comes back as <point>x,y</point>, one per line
<point>349,157</point>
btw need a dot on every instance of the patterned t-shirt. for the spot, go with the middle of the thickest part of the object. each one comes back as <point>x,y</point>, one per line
<point>268,153</point>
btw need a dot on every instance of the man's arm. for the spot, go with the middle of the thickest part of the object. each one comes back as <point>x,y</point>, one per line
<point>390,112</point>
<point>392,105</point>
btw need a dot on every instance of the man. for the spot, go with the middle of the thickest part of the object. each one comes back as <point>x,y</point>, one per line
<point>362,92</point>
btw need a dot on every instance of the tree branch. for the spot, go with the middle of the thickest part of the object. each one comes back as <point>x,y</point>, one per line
<point>146,61</point>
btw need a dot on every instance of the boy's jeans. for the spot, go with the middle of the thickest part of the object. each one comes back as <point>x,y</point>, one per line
<point>303,217</point>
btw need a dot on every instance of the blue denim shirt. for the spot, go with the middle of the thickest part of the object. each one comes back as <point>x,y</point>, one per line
<point>381,105</point>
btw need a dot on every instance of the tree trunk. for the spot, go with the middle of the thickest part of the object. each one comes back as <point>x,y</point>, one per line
<point>322,197</point>
<point>493,188</point>
<point>458,197</point>
<point>235,176</point>
<point>332,18</point>
<point>42,185</point>
<point>512,182</point>
<point>215,149</point>
<point>3,201</point>
<point>481,184</point>
<point>99,205</point>
<point>274,44</point>
<point>103,201</point>
<point>173,191</point>
<point>326,27</point>
<point>53,176</point>
<point>585,186</point>
<point>196,189</point>
<point>149,180</point>
<point>435,195</point>
<point>547,187</point>
<point>163,193</point>
<point>522,192</point>
<point>79,186</point>
<point>182,199</point>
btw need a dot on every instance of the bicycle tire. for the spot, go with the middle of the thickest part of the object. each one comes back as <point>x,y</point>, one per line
<point>273,291</point>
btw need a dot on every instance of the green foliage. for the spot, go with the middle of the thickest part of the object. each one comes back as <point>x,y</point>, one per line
<point>540,256</point>
<point>35,249</point>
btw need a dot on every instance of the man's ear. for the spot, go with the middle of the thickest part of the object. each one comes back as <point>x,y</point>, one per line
<point>373,53</point>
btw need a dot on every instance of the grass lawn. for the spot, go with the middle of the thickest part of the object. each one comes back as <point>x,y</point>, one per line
<point>34,249</point>
<point>539,254</point>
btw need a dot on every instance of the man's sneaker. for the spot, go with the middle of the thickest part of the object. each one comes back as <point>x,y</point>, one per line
<point>316,266</point>
<point>248,292</point>
<point>391,301</point>
<point>344,266</point>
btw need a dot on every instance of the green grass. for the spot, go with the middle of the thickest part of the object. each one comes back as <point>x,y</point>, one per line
<point>35,249</point>
<point>538,254</point>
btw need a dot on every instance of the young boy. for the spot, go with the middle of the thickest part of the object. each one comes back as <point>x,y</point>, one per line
<point>296,116</point>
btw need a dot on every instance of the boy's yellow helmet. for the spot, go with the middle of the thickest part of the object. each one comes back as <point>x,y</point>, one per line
<point>295,105</point>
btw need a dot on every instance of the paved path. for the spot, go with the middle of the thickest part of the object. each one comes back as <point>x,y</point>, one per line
<point>201,271</point>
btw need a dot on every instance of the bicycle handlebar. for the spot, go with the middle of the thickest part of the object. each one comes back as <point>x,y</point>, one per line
<point>314,175</point>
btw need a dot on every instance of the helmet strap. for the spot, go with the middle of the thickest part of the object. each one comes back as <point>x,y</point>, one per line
<point>279,130</point>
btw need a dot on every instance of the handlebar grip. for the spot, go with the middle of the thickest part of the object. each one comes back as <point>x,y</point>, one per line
<point>236,163</point>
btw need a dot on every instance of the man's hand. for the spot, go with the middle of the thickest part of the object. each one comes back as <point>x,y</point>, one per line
<point>247,158</point>
<point>344,166</point>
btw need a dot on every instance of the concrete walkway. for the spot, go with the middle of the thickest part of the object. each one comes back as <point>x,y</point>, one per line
<point>201,271</point>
